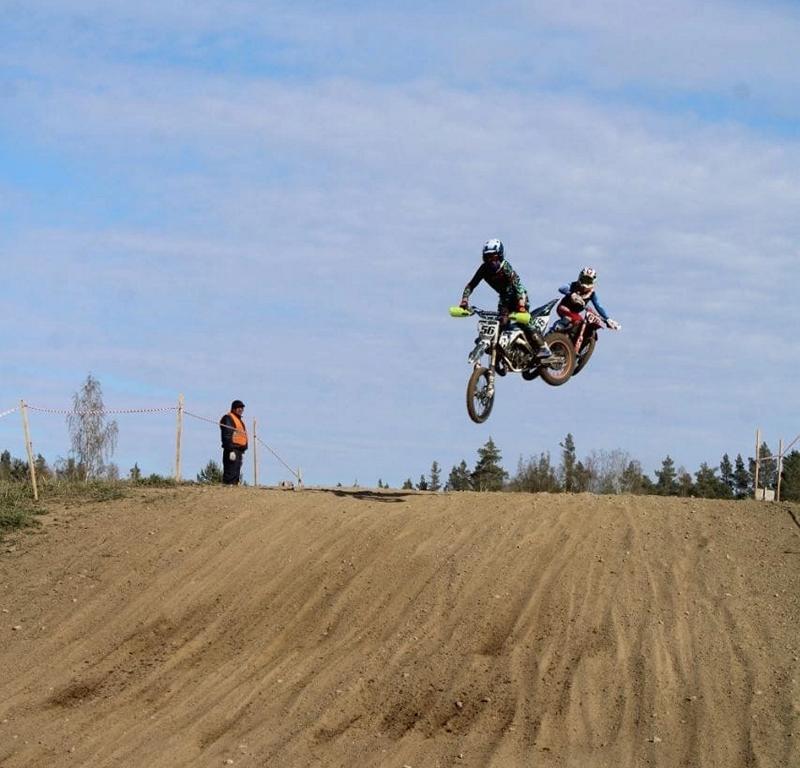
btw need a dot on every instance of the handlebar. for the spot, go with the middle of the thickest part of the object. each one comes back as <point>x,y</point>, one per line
<point>515,317</point>
<point>595,319</point>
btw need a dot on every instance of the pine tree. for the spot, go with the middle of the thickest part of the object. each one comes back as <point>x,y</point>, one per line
<point>19,471</point>
<point>568,461</point>
<point>134,473</point>
<point>488,474</point>
<point>459,479</point>
<point>536,475</point>
<point>436,477</point>
<point>667,484</point>
<point>742,481</point>
<point>767,471</point>
<point>726,477</point>
<point>5,466</point>
<point>633,480</point>
<point>408,485</point>
<point>422,485</point>
<point>210,474</point>
<point>790,477</point>
<point>707,484</point>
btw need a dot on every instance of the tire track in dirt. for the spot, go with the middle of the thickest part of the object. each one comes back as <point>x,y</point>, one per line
<point>439,629</point>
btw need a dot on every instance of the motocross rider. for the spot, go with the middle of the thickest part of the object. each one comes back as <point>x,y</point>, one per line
<point>576,296</point>
<point>513,297</point>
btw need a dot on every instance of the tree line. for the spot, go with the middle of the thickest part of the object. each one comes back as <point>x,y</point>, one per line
<point>614,472</point>
<point>93,440</point>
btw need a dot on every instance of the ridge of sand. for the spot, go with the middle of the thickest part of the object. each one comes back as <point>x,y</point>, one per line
<point>199,626</point>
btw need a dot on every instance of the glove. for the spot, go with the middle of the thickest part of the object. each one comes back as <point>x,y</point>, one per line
<point>576,298</point>
<point>232,456</point>
<point>613,325</point>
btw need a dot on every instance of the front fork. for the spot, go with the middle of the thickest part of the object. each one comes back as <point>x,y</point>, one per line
<point>492,364</point>
<point>579,338</point>
<point>475,357</point>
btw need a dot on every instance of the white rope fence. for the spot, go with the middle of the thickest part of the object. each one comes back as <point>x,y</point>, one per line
<point>297,473</point>
<point>95,411</point>
<point>24,407</point>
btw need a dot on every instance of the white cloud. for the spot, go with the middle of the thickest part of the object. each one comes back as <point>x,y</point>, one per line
<point>319,227</point>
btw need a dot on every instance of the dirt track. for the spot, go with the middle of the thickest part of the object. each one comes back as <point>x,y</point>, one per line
<point>197,627</point>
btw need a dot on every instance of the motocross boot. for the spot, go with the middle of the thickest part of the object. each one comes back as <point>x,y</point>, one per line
<point>562,324</point>
<point>537,341</point>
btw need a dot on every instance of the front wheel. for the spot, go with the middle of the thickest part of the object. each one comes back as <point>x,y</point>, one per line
<point>480,395</point>
<point>556,370</point>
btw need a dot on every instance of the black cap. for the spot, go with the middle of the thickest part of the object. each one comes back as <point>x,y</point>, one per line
<point>236,404</point>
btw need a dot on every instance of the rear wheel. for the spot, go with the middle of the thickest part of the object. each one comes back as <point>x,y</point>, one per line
<point>480,395</point>
<point>556,370</point>
<point>583,356</point>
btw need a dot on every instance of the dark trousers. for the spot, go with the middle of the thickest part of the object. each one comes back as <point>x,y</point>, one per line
<point>535,339</point>
<point>231,469</point>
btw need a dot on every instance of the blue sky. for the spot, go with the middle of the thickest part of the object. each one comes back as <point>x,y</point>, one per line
<point>279,201</point>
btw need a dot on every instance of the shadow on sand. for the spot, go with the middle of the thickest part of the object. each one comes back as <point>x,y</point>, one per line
<point>365,495</point>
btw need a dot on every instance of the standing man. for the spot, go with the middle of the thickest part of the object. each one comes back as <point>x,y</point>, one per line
<point>234,443</point>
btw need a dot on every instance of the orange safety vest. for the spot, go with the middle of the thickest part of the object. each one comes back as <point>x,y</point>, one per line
<point>239,436</point>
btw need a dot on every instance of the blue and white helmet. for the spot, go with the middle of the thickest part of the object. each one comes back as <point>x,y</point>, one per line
<point>493,249</point>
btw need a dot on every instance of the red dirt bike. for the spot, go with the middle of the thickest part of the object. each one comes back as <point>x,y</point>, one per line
<point>584,336</point>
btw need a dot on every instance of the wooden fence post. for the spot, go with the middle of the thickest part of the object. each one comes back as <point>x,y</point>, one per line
<point>758,462</point>
<point>178,438</point>
<point>780,469</point>
<point>29,448</point>
<point>255,454</point>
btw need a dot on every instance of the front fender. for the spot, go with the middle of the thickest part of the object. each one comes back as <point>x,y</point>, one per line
<point>478,352</point>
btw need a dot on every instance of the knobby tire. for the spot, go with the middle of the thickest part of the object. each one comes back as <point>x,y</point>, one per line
<point>479,411</point>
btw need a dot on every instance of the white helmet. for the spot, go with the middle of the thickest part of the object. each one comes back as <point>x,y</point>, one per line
<point>493,249</point>
<point>587,276</point>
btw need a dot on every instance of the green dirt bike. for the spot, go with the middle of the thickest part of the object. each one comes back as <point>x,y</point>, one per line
<point>508,350</point>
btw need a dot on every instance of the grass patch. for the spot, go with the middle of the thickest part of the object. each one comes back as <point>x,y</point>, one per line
<point>81,491</point>
<point>17,507</point>
<point>19,510</point>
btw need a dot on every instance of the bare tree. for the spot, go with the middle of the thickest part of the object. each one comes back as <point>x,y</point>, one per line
<point>93,440</point>
<point>607,470</point>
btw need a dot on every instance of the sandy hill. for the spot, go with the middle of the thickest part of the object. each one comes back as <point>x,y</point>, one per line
<point>248,627</point>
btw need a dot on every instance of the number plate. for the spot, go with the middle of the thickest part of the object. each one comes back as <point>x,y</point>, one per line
<point>540,323</point>
<point>488,327</point>
<point>593,318</point>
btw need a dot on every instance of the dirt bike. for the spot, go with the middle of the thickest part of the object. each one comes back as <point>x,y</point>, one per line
<point>508,350</point>
<point>583,336</point>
